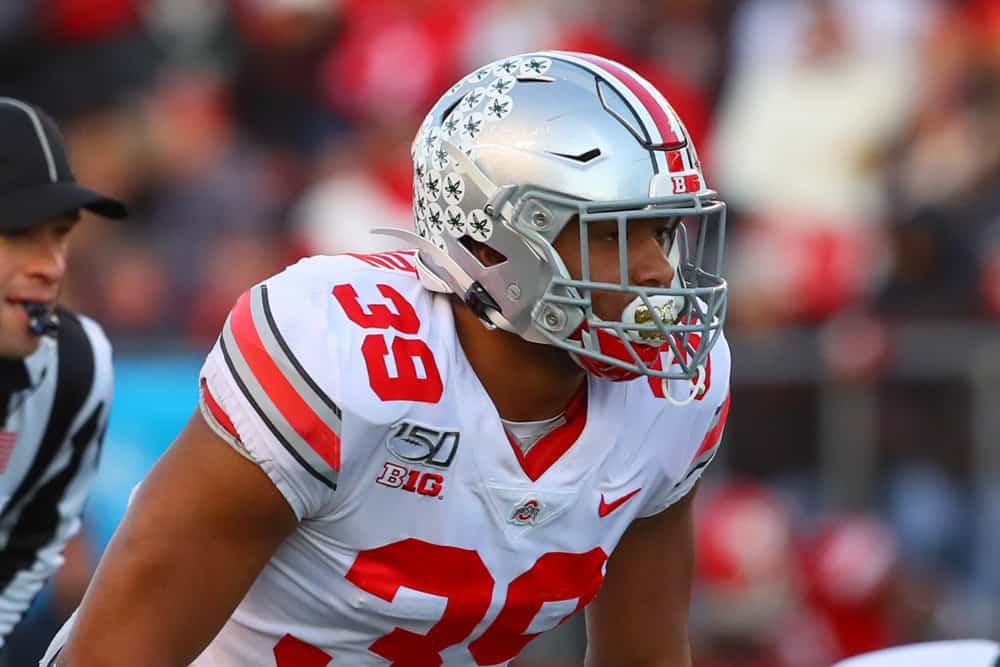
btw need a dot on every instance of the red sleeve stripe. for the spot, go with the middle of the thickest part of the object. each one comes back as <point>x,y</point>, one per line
<point>279,376</point>
<point>218,414</point>
<point>306,422</point>
<point>714,435</point>
<point>282,354</point>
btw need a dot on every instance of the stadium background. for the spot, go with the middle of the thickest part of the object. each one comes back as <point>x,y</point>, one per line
<point>857,502</point>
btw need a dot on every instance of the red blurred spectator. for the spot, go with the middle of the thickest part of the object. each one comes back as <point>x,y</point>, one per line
<point>990,284</point>
<point>744,540</point>
<point>368,182</point>
<point>850,567</point>
<point>82,20</point>
<point>982,17</point>
<point>396,56</point>
<point>802,268</point>
<point>748,600</point>
<point>276,89</point>
<point>283,24</point>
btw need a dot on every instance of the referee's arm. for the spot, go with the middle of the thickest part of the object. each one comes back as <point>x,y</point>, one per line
<point>51,512</point>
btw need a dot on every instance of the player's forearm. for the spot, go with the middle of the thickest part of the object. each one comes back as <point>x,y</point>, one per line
<point>137,611</point>
<point>97,654</point>
<point>183,557</point>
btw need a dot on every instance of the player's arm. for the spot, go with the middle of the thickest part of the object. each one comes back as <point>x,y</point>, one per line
<point>200,528</point>
<point>639,617</point>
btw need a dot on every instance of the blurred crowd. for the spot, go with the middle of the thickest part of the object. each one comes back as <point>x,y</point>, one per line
<point>856,141</point>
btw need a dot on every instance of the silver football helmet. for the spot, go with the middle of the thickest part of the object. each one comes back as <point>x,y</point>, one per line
<point>516,150</point>
<point>965,652</point>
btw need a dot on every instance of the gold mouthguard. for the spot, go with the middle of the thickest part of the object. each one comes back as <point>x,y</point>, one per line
<point>667,313</point>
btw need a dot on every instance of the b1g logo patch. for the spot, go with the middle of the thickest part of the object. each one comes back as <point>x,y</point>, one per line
<point>421,482</point>
<point>416,443</point>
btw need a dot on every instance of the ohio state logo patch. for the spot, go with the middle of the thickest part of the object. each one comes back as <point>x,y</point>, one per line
<point>526,512</point>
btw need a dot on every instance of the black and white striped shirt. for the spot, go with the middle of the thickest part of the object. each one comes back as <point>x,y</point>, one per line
<point>53,413</point>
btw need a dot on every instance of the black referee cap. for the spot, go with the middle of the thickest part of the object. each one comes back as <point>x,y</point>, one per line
<point>36,183</point>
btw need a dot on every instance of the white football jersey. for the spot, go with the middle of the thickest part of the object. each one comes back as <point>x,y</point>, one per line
<point>425,537</point>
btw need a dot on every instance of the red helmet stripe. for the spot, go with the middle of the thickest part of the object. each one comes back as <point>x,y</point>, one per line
<point>675,161</point>
<point>651,100</point>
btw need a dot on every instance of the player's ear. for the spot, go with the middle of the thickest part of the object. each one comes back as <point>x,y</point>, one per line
<point>483,253</point>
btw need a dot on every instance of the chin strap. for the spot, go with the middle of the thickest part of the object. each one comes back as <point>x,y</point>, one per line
<point>696,385</point>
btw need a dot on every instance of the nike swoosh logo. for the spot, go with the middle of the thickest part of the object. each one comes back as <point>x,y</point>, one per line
<point>606,508</point>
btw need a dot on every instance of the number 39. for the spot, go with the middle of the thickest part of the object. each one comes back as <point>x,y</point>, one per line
<point>409,383</point>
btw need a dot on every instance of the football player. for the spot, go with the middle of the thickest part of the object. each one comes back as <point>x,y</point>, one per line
<point>429,457</point>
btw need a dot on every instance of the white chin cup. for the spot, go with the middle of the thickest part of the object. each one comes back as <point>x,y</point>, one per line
<point>668,308</point>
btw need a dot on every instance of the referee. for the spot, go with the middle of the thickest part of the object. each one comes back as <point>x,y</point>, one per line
<point>55,367</point>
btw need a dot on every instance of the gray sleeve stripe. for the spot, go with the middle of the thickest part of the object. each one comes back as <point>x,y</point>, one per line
<point>702,462</point>
<point>705,457</point>
<point>289,438</point>
<point>290,367</point>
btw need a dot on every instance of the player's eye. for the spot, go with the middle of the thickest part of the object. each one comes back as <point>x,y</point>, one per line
<point>665,232</point>
<point>604,231</point>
